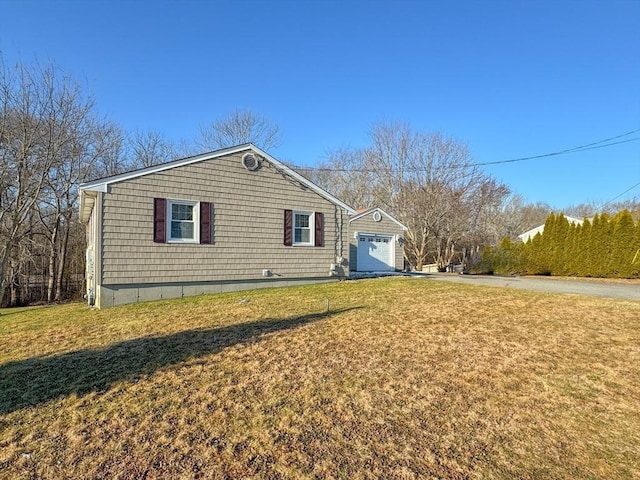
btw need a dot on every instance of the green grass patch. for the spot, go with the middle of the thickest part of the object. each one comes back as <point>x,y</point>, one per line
<point>401,378</point>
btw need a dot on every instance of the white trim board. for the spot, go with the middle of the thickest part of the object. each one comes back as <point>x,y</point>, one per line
<point>102,184</point>
<point>359,215</point>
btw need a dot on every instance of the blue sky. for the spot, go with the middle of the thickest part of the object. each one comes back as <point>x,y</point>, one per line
<point>511,78</point>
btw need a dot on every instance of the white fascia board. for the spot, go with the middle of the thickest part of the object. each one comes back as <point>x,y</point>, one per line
<point>97,184</point>
<point>87,201</point>
<point>308,183</point>
<point>99,187</point>
<point>377,209</point>
<point>371,234</point>
<point>363,213</point>
<point>102,184</point>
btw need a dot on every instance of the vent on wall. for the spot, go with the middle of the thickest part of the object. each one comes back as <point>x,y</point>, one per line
<point>251,162</point>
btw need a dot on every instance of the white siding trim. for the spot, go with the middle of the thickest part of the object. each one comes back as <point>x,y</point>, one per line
<point>312,229</point>
<point>381,211</point>
<point>195,220</point>
<point>102,184</point>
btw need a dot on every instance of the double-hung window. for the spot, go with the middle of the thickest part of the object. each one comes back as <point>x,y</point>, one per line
<point>302,228</point>
<point>183,221</point>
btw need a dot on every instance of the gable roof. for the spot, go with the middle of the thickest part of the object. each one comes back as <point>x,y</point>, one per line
<point>102,184</point>
<point>366,211</point>
<point>534,231</point>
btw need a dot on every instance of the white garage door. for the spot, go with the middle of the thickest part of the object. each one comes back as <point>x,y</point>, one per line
<point>375,253</point>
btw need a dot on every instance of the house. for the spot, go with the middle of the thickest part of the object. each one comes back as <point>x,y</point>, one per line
<point>375,242</point>
<point>529,234</point>
<point>233,219</point>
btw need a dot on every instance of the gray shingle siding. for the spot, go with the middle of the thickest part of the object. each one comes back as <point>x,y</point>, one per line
<point>247,227</point>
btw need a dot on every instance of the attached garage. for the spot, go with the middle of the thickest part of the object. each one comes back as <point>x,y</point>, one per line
<point>376,242</point>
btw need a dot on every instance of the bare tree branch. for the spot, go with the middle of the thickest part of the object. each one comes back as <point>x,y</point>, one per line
<point>240,126</point>
<point>426,180</point>
<point>50,141</point>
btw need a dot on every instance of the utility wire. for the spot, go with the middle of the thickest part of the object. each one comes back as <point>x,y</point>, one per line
<point>562,152</point>
<point>607,142</point>
<point>617,197</point>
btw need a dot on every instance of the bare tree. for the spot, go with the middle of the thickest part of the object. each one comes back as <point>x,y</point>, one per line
<point>240,126</point>
<point>514,217</point>
<point>90,142</point>
<point>50,141</point>
<point>150,148</point>
<point>589,209</point>
<point>346,175</point>
<point>36,111</point>
<point>426,180</point>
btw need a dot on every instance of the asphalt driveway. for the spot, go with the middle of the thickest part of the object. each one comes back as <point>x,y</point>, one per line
<point>549,285</point>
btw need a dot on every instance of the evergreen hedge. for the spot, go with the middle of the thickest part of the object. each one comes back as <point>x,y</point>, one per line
<point>604,246</point>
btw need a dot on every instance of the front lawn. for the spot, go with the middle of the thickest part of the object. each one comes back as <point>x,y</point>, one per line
<point>402,378</point>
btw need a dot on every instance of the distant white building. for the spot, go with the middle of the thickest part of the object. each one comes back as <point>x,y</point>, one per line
<point>526,236</point>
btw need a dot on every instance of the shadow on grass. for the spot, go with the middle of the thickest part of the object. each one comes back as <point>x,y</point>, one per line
<point>30,382</point>
<point>5,312</point>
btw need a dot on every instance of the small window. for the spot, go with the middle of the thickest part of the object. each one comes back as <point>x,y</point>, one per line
<point>183,221</point>
<point>302,228</point>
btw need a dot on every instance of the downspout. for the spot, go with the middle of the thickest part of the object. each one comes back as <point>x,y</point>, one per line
<point>338,250</point>
<point>98,248</point>
<point>91,201</point>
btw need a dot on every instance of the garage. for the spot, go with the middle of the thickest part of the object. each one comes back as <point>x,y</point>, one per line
<point>375,253</point>
<point>375,242</point>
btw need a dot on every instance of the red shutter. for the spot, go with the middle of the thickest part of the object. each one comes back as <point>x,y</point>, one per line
<point>288,227</point>
<point>319,229</point>
<point>205,223</point>
<point>159,220</point>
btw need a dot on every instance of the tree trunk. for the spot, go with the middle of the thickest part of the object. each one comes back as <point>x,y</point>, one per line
<point>440,256</point>
<point>62,258</point>
<point>13,290</point>
<point>51,275</point>
<point>419,264</point>
<point>4,261</point>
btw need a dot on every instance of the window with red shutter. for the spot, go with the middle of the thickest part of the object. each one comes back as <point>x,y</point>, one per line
<point>304,229</point>
<point>206,217</point>
<point>319,221</point>
<point>182,221</point>
<point>159,220</point>
<point>288,228</point>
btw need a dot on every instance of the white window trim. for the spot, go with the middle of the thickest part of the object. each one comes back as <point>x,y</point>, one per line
<point>312,228</point>
<point>196,221</point>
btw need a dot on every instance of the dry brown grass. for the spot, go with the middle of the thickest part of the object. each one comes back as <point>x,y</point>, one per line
<point>403,378</point>
<point>606,281</point>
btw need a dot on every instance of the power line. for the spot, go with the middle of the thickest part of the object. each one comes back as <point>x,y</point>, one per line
<point>582,148</point>
<point>617,197</point>
<point>607,142</point>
